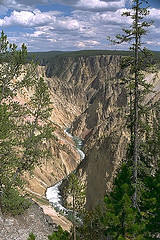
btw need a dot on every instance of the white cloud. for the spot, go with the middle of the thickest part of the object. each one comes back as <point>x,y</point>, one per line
<point>67,23</point>
<point>80,44</point>
<point>111,17</point>
<point>22,4</point>
<point>93,5</point>
<point>55,31</point>
<point>81,29</point>
<point>87,43</point>
<point>153,43</point>
<point>50,20</point>
<point>154,14</point>
<point>28,19</point>
<point>100,5</point>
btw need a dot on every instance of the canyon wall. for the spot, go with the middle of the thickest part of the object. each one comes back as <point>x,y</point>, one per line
<point>97,85</point>
<point>88,94</point>
<point>94,85</point>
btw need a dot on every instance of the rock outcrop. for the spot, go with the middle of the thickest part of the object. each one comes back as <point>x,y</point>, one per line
<point>32,221</point>
<point>78,87</point>
<point>88,93</point>
<point>94,85</point>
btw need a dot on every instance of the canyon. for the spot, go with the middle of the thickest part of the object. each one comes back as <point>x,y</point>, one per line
<point>90,97</point>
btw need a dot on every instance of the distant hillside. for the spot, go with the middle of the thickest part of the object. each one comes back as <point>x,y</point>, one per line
<point>49,57</point>
<point>43,56</point>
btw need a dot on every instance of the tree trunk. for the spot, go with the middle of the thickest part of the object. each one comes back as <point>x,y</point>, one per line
<point>74,224</point>
<point>135,147</point>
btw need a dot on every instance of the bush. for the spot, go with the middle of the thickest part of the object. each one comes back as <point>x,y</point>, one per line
<point>13,202</point>
<point>59,235</point>
<point>31,237</point>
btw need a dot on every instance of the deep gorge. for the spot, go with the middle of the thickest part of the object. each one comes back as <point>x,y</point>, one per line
<point>88,94</point>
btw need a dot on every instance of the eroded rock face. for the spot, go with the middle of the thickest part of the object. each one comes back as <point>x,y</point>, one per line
<point>88,92</point>
<point>103,127</point>
<point>77,86</point>
<point>19,227</point>
<point>95,86</point>
<point>65,157</point>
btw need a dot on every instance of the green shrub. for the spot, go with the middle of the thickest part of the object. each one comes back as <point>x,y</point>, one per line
<point>59,235</point>
<point>13,202</point>
<point>31,237</point>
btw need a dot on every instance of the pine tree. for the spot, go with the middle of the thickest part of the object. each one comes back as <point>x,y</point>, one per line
<point>138,86</point>
<point>92,227</point>
<point>25,128</point>
<point>150,200</point>
<point>151,205</point>
<point>121,220</point>
<point>76,191</point>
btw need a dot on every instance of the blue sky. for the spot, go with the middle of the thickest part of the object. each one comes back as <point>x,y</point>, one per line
<point>46,25</point>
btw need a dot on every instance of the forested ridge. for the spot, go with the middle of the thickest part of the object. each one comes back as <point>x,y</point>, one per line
<point>50,57</point>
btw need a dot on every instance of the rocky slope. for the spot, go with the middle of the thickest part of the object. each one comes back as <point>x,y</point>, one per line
<point>94,85</point>
<point>32,221</point>
<point>101,124</point>
<point>64,154</point>
<point>89,94</point>
<point>106,140</point>
<point>74,84</point>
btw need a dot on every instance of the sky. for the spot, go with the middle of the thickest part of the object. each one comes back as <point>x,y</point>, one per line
<point>67,25</point>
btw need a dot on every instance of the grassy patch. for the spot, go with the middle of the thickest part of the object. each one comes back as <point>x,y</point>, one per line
<point>40,200</point>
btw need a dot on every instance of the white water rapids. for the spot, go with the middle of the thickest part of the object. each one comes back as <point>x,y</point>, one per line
<point>53,193</point>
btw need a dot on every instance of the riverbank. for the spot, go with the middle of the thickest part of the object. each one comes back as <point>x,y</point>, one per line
<point>56,217</point>
<point>53,193</point>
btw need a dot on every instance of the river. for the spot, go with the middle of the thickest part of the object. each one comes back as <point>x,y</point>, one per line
<point>53,193</point>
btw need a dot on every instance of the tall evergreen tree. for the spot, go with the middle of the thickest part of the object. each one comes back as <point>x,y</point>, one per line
<point>25,128</point>
<point>121,220</point>
<point>137,63</point>
<point>150,203</point>
<point>76,191</point>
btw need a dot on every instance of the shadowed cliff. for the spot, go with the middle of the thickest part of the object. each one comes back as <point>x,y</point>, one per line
<point>94,84</point>
<point>89,94</point>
